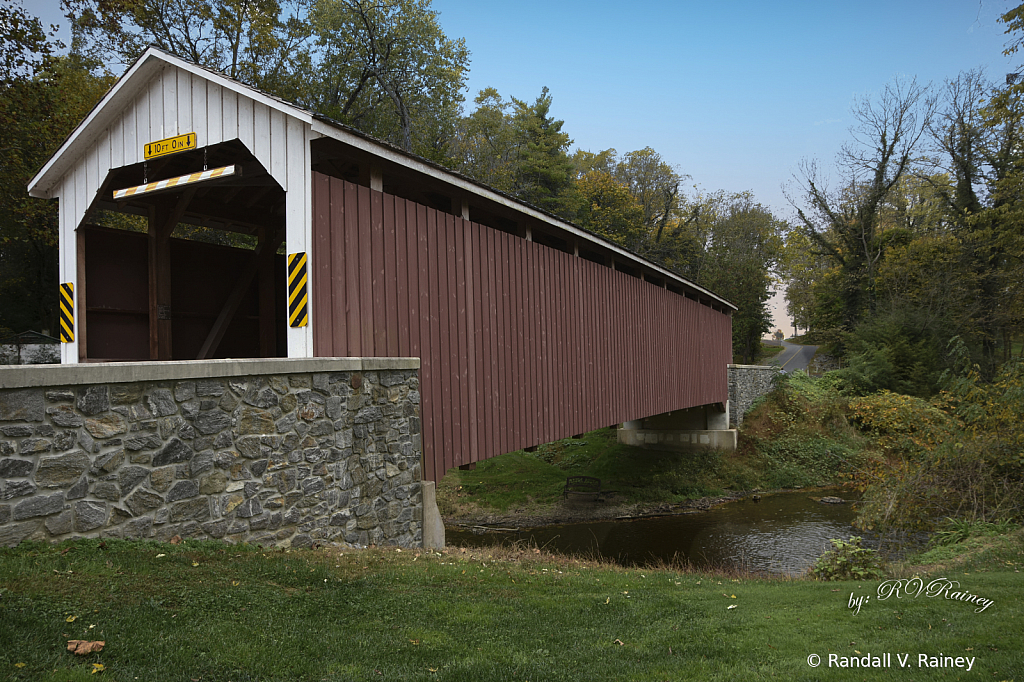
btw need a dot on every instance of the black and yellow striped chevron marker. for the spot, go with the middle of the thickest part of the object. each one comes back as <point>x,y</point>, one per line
<point>67,312</point>
<point>298,309</point>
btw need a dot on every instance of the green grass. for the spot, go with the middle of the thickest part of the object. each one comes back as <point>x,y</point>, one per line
<point>769,352</point>
<point>521,478</point>
<point>977,553</point>
<point>210,612</point>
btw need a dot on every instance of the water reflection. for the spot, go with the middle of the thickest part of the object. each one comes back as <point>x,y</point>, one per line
<point>782,534</point>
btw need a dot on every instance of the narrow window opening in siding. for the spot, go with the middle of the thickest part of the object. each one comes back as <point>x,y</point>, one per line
<point>625,269</point>
<point>438,202</point>
<point>551,241</point>
<point>593,257</point>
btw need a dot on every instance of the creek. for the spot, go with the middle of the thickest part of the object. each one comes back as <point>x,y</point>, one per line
<point>782,533</point>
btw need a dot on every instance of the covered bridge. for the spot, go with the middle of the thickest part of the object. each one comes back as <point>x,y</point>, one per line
<point>529,329</point>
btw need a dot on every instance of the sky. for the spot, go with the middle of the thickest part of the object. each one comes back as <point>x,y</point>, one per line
<point>732,94</point>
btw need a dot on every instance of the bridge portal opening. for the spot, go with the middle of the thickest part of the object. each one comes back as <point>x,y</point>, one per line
<point>193,271</point>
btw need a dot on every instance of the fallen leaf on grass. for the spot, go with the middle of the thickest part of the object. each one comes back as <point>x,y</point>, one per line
<point>81,647</point>
<point>620,642</point>
<point>71,619</point>
<point>731,606</point>
<point>194,564</point>
<point>160,555</point>
<point>19,665</point>
<point>176,540</point>
<point>96,668</point>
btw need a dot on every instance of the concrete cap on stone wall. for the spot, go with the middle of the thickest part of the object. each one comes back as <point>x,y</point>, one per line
<point>24,376</point>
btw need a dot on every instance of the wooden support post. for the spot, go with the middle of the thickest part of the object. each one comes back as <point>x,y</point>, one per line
<point>264,251</point>
<point>268,310</point>
<point>160,227</point>
<point>372,176</point>
<point>460,207</point>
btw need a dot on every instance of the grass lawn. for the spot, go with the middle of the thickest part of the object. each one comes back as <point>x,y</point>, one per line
<point>206,611</point>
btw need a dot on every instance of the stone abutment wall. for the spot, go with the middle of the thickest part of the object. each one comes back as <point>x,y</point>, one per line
<point>747,383</point>
<point>284,452</point>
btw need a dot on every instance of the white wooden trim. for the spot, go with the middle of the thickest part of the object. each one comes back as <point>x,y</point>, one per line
<point>299,224</point>
<point>67,265</point>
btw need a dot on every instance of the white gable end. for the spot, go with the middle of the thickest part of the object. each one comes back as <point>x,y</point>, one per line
<point>162,96</point>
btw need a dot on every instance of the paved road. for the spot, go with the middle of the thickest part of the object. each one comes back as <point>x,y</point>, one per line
<point>794,357</point>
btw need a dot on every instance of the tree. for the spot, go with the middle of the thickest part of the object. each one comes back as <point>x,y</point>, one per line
<point>845,225</point>
<point>802,267</point>
<point>746,246</point>
<point>261,43</point>
<point>382,66</point>
<point>608,208</point>
<point>43,96</point>
<point>655,186</point>
<point>544,173</point>
<point>386,67</point>
<point>518,147</point>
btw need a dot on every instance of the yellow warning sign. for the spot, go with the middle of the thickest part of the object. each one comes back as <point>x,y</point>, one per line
<point>298,312</point>
<point>67,312</point>
<point>172,145</point>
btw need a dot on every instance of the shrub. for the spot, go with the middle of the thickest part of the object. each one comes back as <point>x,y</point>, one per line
<point>965,461</point>
<point>847,560</point>
<point>953,530</point>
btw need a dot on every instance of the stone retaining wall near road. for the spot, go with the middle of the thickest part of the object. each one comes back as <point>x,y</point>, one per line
<point>279,452</point>
<point>747,383</point>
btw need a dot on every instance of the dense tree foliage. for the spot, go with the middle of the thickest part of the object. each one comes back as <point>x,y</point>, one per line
<point>387,68</point>
<point>43,95</point>
<point>921,240</point>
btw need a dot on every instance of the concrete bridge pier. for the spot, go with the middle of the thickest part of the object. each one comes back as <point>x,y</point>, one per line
<point>704,426</point>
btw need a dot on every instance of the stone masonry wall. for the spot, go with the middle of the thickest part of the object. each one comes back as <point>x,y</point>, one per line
<point>280,459</point>
<point>747,383</point>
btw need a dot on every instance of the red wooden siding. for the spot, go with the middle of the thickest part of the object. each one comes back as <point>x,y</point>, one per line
<point>520,344</point>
